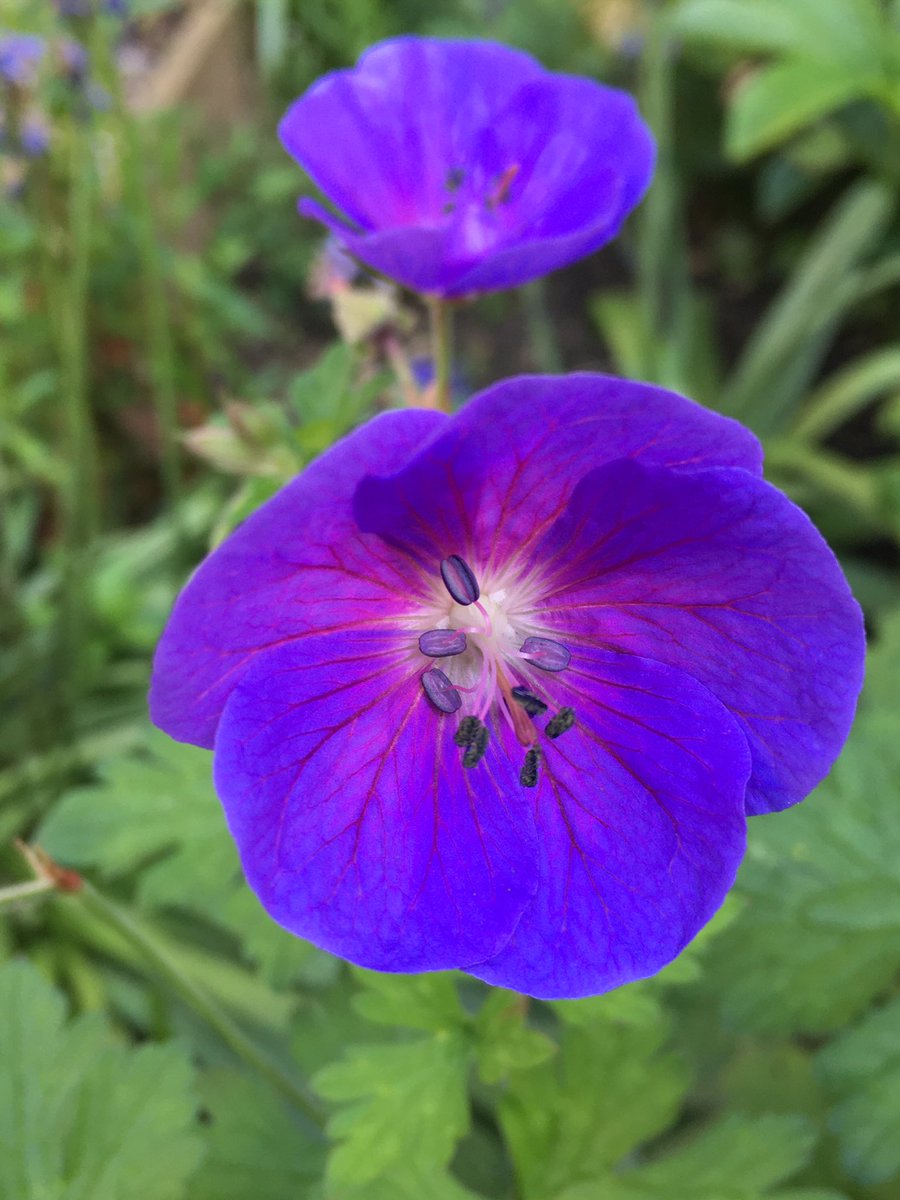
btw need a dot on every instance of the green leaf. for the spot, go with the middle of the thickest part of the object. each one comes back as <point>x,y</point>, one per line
<point>406,1106</point>
<point>810,304</point>
<point>736,1159</point>
<point>780,100</point>
<point>504,1041</point>
<point>847,392</point>
<point>428,1002</point>
<point>762,25</point>
<point>409,1183</point>
<point>156,811</point>
<point>257,1146</point>
<point>841,31</point>
<point>863,1067</point>
<point>574,1118</point>
<point>82,1118</point>
<point>819,937</point>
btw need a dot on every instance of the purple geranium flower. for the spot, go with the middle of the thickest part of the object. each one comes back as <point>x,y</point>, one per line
<point>20,57</point>
<point>496,691</point>
<point>464,167</point>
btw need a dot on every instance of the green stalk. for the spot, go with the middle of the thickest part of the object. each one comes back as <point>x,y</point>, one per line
<point>98,905</point>
<point>659,268</point>
<point>23,891</point>
<point>441,317</point>
<point>157,327</point>
<point>541,332</point>
<point>70,282</point>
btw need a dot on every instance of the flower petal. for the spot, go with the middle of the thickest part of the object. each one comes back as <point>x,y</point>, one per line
<point>503,470</point>
<point>357,826</point>
<point>641,828</point>
<point>380,138</point>
<point>280,575</point>
<point>717,573</point>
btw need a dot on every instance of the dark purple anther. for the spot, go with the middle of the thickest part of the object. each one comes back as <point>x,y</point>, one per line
<point>440,691</point>
<point>441,643</point>
<point>460,580</point>
<point>546,654</point>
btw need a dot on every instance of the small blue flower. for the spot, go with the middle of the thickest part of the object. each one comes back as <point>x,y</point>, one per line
<point>465,166</point>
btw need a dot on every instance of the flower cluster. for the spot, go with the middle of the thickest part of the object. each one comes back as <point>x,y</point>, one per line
<point>497,691</point>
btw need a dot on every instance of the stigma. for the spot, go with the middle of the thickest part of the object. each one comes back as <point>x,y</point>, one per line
<point>492,656</point>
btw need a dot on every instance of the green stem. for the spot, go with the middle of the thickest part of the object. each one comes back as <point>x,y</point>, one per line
<point>658,219</point>
<point>81,499</point>
<point>98,905</point>
<point>157,328</point>
<point>441,317</point>
<point>22,891</point>
<point>541,332</point>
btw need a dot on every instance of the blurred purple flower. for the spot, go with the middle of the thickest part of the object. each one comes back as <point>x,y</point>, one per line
<point>496,691</point>
<point>462,167</point>
<point>34,136</point>
<point>74,59</point>
<point>20,57</point>
<point>84,8</point>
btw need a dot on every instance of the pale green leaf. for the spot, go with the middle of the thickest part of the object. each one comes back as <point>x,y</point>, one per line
<point>819,936</point>
<point>405,1106</point>
<point>81,1117</point>
<point>504,1040</point>
<point>428,1002</point>
<point>409,1183</point>
<point>156,812</point>
<point>762,25</point>
<point>575,1117</point>
<point>780,100</point>
<point>839,31</point>
<point>738,1158</point>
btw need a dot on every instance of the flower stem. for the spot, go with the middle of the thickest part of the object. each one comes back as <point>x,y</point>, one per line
<point>441,317</point>
<point>81,499</point>
<point>139,197</point>
<point>297,1092</point>
<point>21,891</point>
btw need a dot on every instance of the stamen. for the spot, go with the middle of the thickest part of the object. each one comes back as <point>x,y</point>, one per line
<point>466,731</point>
<point>528,776</point>
<point>455,179</point>
<point>529,701</point>
<point>440,691</point>
<point>558,725</point>
<point>475,751</point>
<point>500,195</point>
<point>442,643</point>
<point>546,654</point>
<point>459,580</point>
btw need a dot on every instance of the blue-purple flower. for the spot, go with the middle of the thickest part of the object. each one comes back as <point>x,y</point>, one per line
<point>464,166</point>
<point>497,691</point>
<point>20,58</point>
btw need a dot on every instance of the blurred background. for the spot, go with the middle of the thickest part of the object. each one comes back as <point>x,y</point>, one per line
<point>175,343</point>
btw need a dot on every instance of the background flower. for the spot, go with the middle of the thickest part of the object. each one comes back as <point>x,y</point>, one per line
<point>20,57</point>
<point>705,641</point>
<point>464,166</point>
